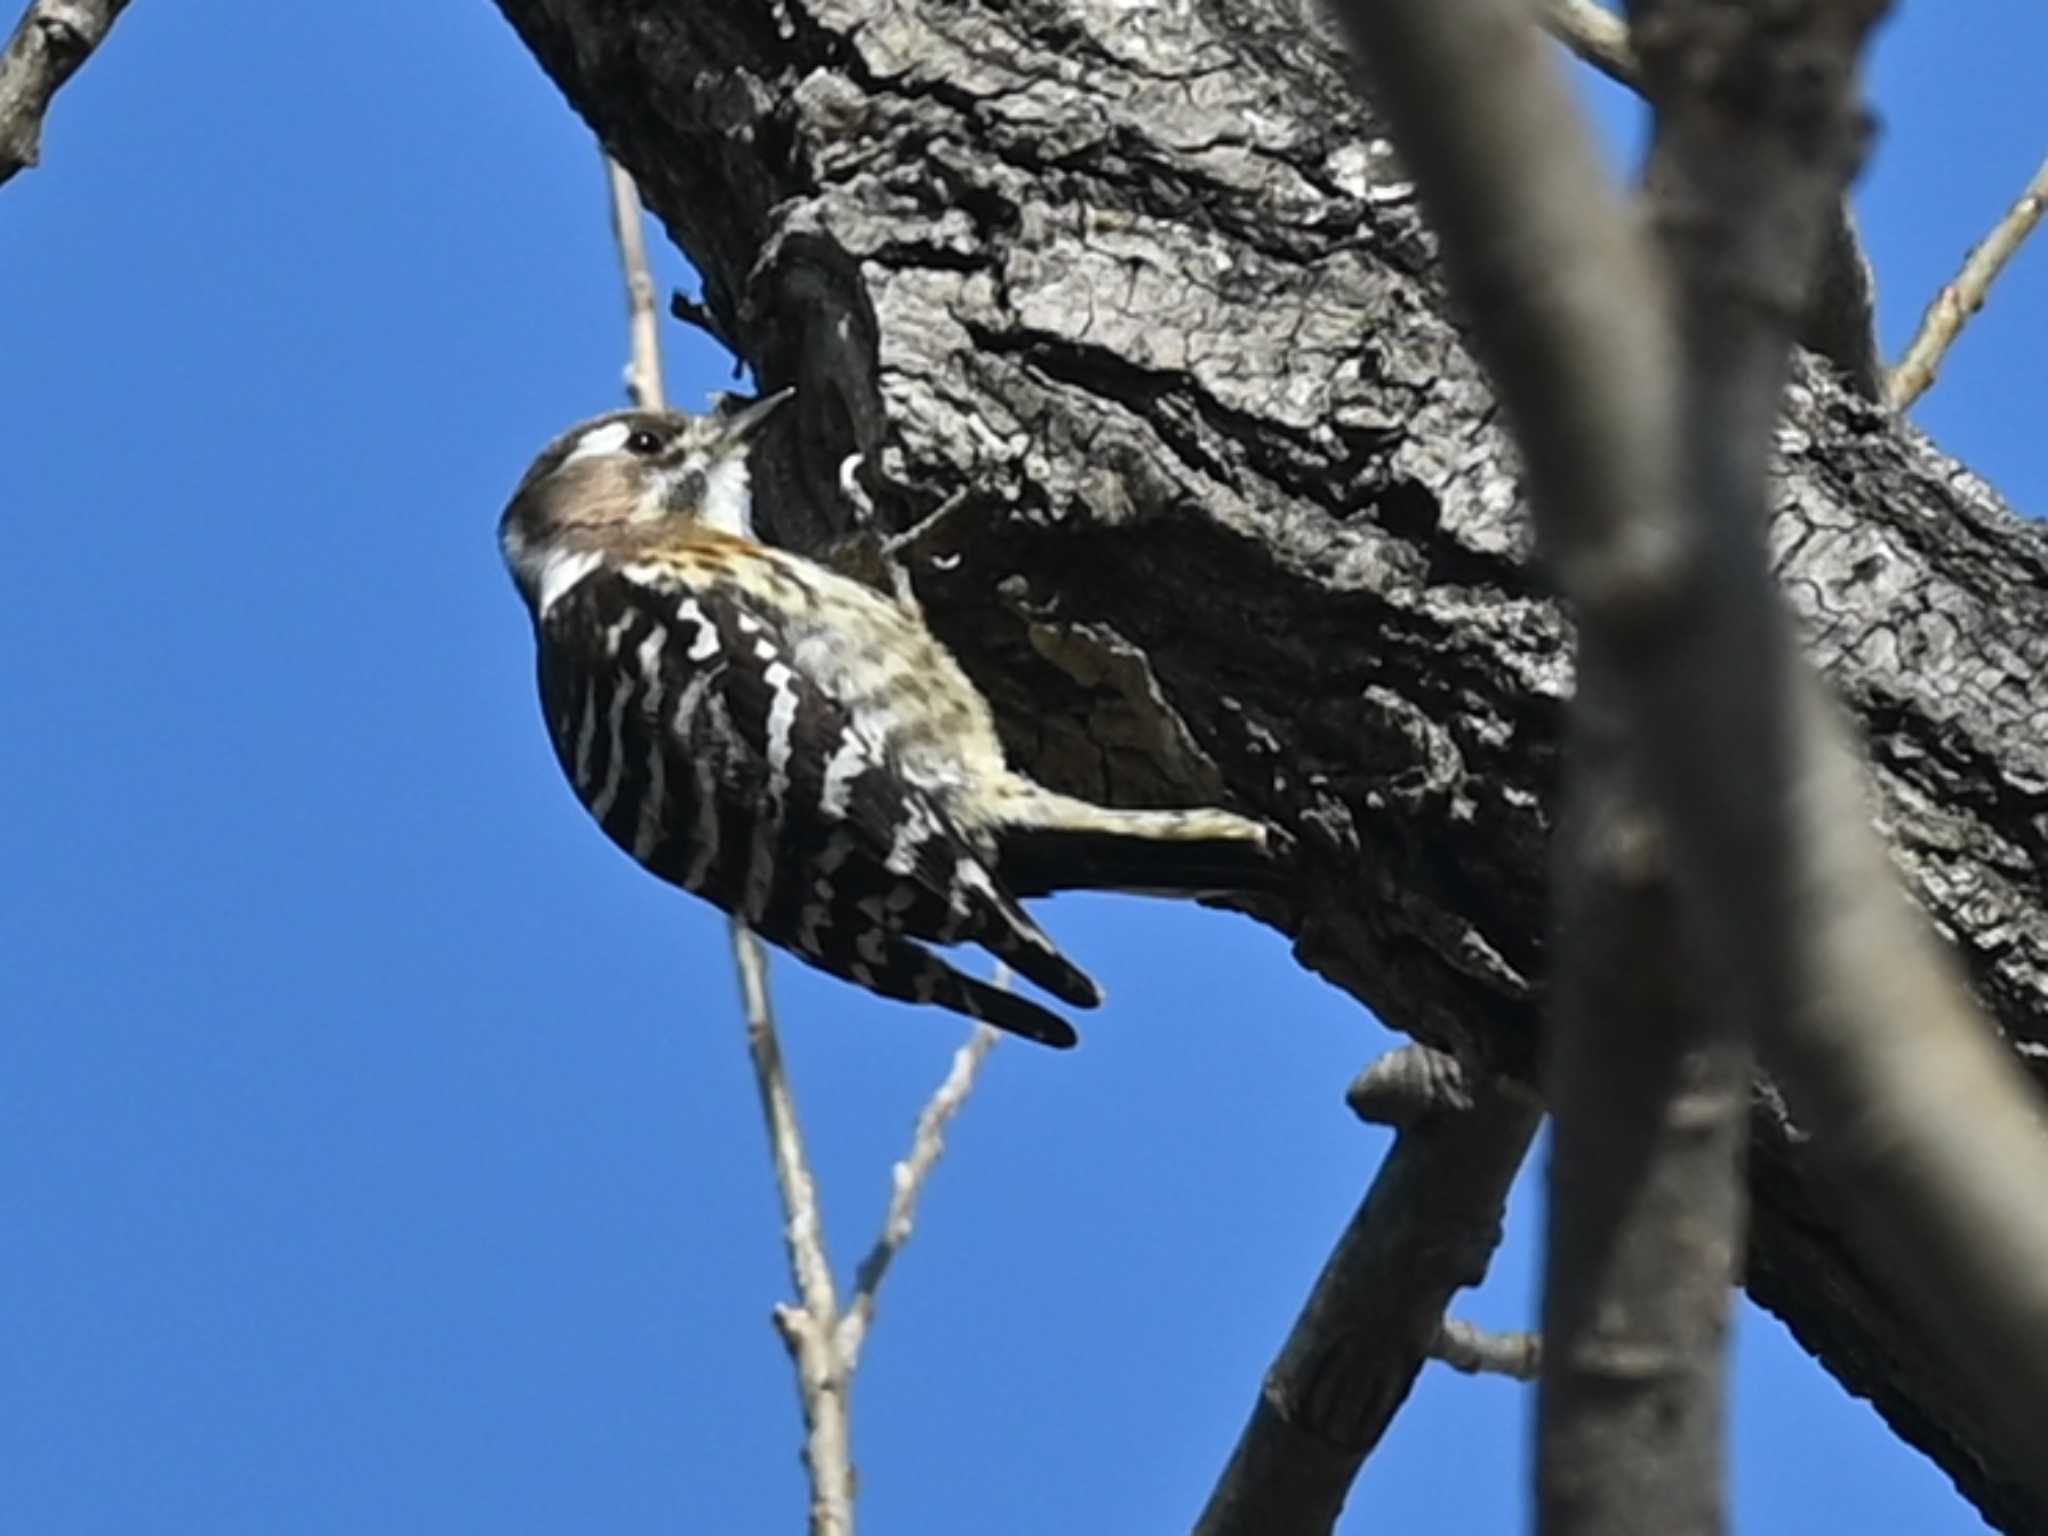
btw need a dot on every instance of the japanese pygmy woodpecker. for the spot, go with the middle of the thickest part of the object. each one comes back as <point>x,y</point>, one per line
<point>798,748</point>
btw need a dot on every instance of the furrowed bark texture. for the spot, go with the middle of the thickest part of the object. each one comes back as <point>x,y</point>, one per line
<point>1146,285</point>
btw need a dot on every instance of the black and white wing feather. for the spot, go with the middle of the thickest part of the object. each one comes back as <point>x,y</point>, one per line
<point>688,729</point>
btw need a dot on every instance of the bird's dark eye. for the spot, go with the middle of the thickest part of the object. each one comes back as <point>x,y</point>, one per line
<point>643,443</point>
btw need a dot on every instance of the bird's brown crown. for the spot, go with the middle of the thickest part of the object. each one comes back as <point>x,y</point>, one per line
<point>605,484</point>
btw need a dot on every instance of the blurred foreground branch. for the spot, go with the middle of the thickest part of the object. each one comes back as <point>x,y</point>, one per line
<point>1648,433</point>
<point>1596,35</point>
<point>1840,321</point>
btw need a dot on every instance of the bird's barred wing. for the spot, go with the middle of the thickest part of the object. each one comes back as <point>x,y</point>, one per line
<point>689,731</point>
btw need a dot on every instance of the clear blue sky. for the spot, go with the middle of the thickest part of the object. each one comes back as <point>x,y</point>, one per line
<point>376,1146</point>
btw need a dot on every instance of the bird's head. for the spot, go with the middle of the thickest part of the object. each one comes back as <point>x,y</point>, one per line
<point>607,483</point>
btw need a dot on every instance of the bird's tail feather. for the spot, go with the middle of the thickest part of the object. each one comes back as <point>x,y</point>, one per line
<point>915,974</point>
<point>1013,938</point>
<point>1007,1011</point>
<point>1082,847</point>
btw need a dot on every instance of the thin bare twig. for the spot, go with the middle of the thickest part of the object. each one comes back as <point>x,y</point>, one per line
<point>907,1179</point>
<point>53,38</point>
<point>643,327</point>
<point>894,546</point>
<point>1476,1352</point>
<point>809,1329</point>
<point>1597,36</point>
<point>825,1343</point>
<point>1959,300</point>
<point>804,1229</point>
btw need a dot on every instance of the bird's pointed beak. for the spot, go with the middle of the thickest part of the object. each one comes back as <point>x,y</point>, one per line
<point>744,424</point>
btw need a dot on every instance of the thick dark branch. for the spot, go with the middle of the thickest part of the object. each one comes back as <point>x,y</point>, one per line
<point>52,40</point>
<point>1428,1226</point>
<point>1108,281</point>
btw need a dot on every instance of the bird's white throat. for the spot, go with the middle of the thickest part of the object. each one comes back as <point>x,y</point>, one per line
<point>729,498</point>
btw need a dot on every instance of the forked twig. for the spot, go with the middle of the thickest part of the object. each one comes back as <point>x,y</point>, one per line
<point>810,1329</point>
<point>824,1341</point>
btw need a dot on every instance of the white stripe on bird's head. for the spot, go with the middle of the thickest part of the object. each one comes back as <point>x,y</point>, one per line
<point>599,441</point>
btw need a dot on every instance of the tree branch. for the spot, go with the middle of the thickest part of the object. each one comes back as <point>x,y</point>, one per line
<point>810,1329</point>
<point>1597,36</point>
<point>1841,316</point>
<point>1137,347</point>
<point>1940,1144</point>
<point>1961,299</point>
<point>824,1342</point>
<point>1428,1227</point>
<point>907,1180</point>
<point>52,39</point>
<point>1477,1352</point>
<point>1655,516</point>
<point>643,326</point>
<point>1645,1082</point>
<point>1648,1085</point>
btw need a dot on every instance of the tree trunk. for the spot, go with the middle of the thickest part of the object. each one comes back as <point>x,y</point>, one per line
<point>1143,287</point>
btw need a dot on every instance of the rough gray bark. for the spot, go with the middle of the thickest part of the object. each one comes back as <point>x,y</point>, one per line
<point>1146,284</point>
